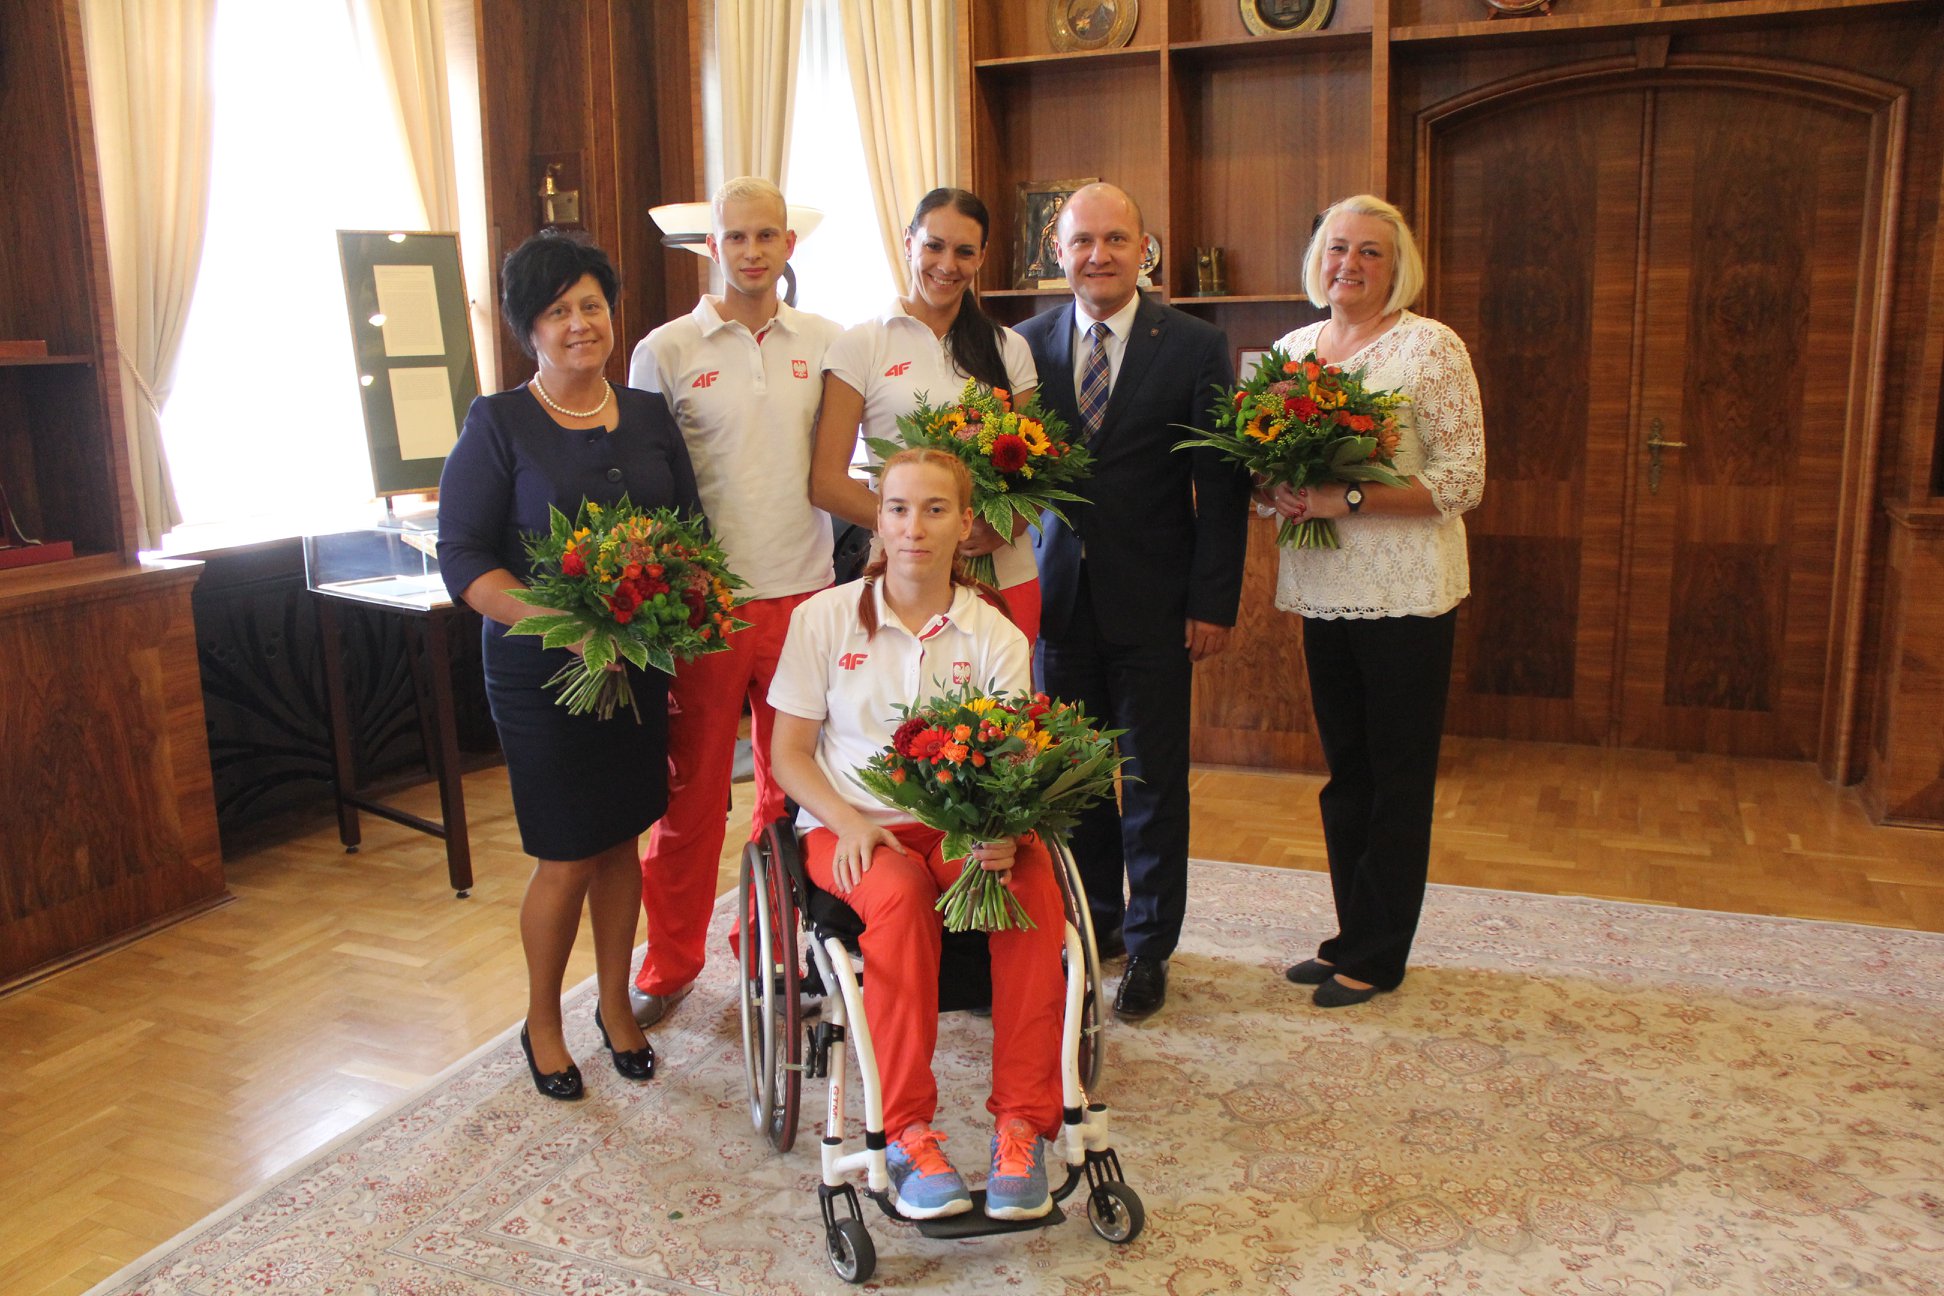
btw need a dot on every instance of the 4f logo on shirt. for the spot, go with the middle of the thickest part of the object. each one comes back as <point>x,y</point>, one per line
<point>801,368</point>
<point>707,379</point>
<point>897,370</point>
<point>961,672</point>
<point>851,661</point>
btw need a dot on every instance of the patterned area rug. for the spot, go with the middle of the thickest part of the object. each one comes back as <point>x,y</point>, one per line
<point>1565,1097</point>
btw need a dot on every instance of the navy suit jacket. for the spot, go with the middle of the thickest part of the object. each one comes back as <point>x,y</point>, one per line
<point>1165,531</point>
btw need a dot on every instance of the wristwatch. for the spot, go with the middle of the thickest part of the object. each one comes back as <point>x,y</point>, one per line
<point>1354,498</point>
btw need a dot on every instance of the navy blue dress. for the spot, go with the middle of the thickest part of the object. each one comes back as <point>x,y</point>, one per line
<point>580,785</point>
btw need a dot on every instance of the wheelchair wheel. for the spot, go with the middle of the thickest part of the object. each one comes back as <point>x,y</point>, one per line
<point>784,1012</point>
<point>1116,1213</point>
<point>852,1253</point>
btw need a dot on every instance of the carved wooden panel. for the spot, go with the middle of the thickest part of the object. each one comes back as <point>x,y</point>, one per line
<point>1533,250</point>
<point>1752,325</point>
<point>107,817</point>
<point>1251,704</point>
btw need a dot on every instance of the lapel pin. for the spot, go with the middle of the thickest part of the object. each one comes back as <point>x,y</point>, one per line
<point>1154,332</point>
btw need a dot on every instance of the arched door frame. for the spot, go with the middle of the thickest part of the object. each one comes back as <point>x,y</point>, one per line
<point>1886,106</point>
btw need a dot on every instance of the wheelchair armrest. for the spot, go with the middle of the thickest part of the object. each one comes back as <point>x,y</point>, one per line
<point>827,914</point>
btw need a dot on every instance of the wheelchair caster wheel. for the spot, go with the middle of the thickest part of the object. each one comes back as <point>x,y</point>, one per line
<point>1116,1213</point>
<point>852,1253</point>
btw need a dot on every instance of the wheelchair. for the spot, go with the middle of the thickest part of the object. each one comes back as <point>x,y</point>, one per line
<point>776,901</point>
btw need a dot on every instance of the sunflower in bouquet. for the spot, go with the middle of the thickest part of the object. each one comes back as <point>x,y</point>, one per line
<point>979,766</point>
<point>1021,460</point>
<point>1303,422</point>
<point>645,586</point>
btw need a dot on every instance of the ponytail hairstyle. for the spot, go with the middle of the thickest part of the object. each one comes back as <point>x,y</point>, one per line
<point>962,487</point>
<point>973,338</point>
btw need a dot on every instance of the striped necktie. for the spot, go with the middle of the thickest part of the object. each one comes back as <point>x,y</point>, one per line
<point>1093,380</point>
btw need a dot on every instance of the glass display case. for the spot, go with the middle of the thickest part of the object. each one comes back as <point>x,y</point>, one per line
<point>393,562</point>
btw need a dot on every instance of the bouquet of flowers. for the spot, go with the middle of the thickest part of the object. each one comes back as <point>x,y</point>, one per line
<point>1303,421</point>
<point>977,765</point>
<point>1021,460</point>
<point>647,586</point>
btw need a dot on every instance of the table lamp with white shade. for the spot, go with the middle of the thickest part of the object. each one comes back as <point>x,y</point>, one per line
<point>689,225</point>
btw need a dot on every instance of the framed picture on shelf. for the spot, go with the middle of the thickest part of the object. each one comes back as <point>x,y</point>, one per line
<point>1036,251</point>
<point>1270,17</point>
<point>1246,360</point>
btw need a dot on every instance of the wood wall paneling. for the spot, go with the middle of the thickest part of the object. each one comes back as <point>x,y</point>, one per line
<point>607,88</point>
<point>1905,783</point>
<point>103,710</point>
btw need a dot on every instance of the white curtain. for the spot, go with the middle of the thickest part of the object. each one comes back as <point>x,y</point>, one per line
<point>901,59</point>
<point>406,40</point>
<point>756,59</point>
<point>148,80</point>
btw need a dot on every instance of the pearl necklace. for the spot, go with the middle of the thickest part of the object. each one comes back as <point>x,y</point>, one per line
<point>607,394</point>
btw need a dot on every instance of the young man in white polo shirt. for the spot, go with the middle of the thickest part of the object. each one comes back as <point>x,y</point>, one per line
<point>743,373</point>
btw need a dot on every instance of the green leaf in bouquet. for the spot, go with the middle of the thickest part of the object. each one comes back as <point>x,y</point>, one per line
<point>539,624</point>
<point>599,653</point>
<point>1350,451</point>
<point>569,632</point>
<point>635,651</point>
<point>662,660</point>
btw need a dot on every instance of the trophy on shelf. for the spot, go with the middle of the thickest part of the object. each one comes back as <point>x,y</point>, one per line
<point>18,549</point>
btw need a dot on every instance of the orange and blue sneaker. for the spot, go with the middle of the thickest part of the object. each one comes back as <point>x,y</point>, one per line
<point>1016,1188</point>
<point>928,1187</point>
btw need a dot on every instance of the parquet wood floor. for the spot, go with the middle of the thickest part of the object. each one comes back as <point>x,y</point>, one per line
<point>147,1088</point>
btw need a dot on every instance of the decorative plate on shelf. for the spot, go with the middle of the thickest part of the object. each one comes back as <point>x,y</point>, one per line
<point>1517,8</point>
<point>1151,258</point>
<point>1269,17</point>
<point>1090,24</point>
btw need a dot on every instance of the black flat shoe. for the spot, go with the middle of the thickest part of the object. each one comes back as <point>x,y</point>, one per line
<point>1310,972</point>
<point>634,1064</point>
<point>1143,988</point>
<point>563,1085</point>
<point>1334,994</point>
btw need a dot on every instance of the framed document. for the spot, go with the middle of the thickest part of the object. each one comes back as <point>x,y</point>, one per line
<point>1246,360</point>
<point>411,336</point>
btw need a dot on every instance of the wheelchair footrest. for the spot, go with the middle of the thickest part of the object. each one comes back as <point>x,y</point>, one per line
<point>974,1223</point>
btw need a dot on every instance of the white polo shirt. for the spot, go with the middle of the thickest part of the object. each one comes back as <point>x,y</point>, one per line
<point>830,672</point>
<point>893,359</point>
<point>747,408</point>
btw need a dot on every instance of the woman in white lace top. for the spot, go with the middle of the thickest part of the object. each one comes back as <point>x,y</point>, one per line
<point>1379,613</point>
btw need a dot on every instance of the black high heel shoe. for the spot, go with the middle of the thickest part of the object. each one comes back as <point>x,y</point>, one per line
<point>634,1064</point>
<point>563,1085</point>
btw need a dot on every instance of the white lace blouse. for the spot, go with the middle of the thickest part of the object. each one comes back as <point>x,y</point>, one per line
<point>1402,566</point>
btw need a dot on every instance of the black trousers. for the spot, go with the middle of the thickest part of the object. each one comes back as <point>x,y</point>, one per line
<point>1378,687</point>
<point>1144,689</point>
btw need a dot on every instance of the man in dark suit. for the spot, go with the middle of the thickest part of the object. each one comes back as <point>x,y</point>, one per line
<point>1146,580</point>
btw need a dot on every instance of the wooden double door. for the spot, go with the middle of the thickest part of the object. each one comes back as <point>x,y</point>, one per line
<point>1672,280</point>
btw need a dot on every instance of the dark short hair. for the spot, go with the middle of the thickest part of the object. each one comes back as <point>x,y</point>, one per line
<point>535,273</point>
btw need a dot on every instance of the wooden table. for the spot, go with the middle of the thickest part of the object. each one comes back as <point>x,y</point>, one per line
<point>427,629</point>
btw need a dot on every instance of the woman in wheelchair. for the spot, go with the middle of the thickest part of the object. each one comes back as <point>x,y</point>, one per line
<point>914,628</point>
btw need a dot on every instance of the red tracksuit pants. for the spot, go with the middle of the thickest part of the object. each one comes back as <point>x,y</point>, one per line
<point>900,947</point>
<point>678,873</point>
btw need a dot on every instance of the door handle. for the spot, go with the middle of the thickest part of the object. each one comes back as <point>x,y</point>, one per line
<point>1654,447</point>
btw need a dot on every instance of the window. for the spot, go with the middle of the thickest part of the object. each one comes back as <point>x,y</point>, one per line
<point>841,271</point>
<point>263,428</point>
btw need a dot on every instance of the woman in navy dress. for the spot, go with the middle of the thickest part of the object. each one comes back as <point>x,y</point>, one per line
<point>584,790</point>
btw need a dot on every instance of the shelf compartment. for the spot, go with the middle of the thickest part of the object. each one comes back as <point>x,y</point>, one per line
<point>1263,147</point>
<point>1062,120</point>
<point>1011,31</point>
<point>1212,22</point>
